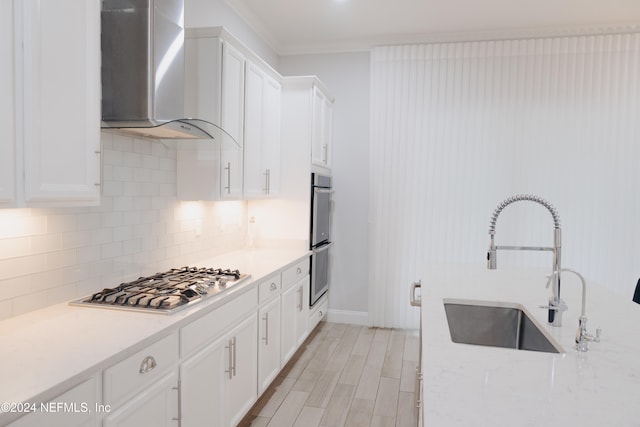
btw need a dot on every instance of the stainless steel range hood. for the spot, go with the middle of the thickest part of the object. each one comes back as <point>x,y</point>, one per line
<point>143,71</point>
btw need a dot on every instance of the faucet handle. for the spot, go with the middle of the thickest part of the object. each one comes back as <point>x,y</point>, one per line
<point>597,337</point>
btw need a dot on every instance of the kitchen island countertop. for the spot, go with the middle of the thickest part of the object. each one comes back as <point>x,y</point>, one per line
<point>48,351</point>
<point>470,385</point>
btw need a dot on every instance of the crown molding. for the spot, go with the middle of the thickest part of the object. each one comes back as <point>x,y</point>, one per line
<point>360,45</point>
<point>295,47</point>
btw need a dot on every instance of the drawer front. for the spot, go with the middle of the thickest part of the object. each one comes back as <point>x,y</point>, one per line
<point>140,370</point>
<point>318,314</point>
<point>270,288</point>
<point>210,326</point>
<point>293,274</point>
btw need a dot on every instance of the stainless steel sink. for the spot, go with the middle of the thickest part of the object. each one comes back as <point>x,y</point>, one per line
<point>496,325</point>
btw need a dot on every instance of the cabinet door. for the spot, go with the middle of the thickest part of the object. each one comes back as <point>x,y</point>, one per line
<point>157,406</point>
<point>295,317</point>
<point>80,408</point>
<point>7,105</point>
<point>61,123</point>
<point>262,133</point>
<point>255,181</point>
<point>232,120</point>
<point>302,310</point>
<point>242,387</point>
<point>202,387</point>
<point>288,332</point>
<point>268,344</point>
<point>321,129</point>
<point>272,134</point>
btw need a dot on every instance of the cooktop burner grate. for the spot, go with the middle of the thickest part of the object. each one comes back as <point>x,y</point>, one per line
<point>166,292</point>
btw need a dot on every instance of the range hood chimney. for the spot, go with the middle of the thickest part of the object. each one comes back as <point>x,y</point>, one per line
<point>143,71</point>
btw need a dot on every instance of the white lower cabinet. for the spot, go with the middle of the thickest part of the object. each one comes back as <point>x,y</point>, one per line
<point>295,312</point>
<point>156,406</point>
<point>202,386</point>
<point>77,407</point>
<point>268,344</point>
<point>206,374</point>
<point>242,391</point>
<point>218,384</point>
<point>142,390</point>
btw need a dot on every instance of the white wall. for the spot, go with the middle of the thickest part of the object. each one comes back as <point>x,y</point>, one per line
<point>347,77</point>
<point>216,13</point>
<point>459,127</point>
<point>52,255</point>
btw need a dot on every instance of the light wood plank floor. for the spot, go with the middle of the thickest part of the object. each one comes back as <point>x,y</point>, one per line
<point>344,375</point>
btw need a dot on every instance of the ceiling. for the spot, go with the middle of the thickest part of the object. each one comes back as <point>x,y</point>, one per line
<point>305,26</point>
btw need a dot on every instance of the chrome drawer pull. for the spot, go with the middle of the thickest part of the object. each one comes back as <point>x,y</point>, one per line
<point>266,329</point>
<point>298,270</point>
<point>273,287</point>
<point>148,364</point>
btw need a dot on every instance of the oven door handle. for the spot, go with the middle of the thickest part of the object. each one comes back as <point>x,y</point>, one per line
<point>322,248</point>
<point>320,190</point>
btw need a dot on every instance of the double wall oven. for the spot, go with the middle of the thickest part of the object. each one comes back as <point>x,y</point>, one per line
<point>320,235</point>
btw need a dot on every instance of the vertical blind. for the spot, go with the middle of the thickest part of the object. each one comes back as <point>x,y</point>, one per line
<point>459,127</point>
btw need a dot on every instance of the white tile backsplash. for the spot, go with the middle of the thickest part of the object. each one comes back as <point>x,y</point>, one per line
<point>53,255</point>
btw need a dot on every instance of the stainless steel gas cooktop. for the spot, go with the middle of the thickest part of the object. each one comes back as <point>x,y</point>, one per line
<point>165,292</point>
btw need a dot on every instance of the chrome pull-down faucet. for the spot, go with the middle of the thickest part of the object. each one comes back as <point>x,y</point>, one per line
<point>556,305</point>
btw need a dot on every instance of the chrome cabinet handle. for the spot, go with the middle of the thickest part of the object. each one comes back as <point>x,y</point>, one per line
<point>179,417</point>
<point>234,356</point>
<point>415,301</point>
<point>298,270</point>
<point>273,287</point>
<point>300,304</point>
<point>267,181</point>
<point>266,328</point>
<point>418,398</point>
<point>325,151</point>
<point>230,370</point>
<point>148,364</point>
<point>101,178</point>
<point>228,169</point>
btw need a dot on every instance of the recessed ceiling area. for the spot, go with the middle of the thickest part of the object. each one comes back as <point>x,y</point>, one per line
<point>304,26</point>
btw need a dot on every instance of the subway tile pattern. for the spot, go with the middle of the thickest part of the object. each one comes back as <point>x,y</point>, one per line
<point>48,256</point>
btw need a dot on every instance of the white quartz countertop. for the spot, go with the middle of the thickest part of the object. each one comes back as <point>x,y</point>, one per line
<point>46,352</point>
<point>471,385</point>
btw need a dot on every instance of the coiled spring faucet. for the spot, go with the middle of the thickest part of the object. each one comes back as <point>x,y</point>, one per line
<point>556,305</point>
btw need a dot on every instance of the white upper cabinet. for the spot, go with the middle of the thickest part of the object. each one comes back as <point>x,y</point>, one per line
<point>60,123</point>
<point>7,105</point>
<point>322,114</point>
<point>262,133</point>
<point>232,120</point>
<point>214,91</point>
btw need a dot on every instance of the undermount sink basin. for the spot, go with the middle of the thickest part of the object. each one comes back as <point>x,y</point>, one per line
<point>496,325</point>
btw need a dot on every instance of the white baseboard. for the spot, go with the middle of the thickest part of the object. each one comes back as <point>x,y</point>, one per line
<point>348,316</point>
